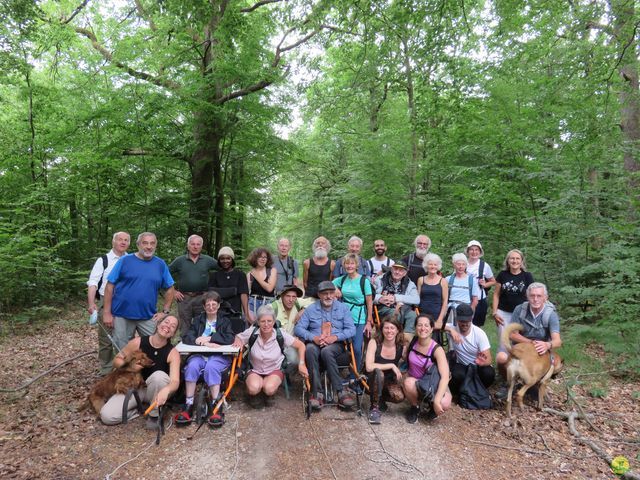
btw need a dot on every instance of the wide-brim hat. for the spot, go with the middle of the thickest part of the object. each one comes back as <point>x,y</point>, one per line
<point>290,288</point>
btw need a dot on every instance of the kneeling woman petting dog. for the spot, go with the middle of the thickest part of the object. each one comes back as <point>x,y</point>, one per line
<point>427,379</point>
<point>209,329</point>
<point>162,378</point>
<point>384,353</point>
<point>266,356</point>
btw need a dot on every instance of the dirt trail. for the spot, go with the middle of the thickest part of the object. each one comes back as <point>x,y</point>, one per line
<point>43,436</point>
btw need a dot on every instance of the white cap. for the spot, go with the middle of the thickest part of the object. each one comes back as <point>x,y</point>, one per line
<point>474,243</point>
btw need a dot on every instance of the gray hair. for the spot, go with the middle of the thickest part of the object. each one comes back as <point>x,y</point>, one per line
<point>146,234</point>
<point>459,257</point>
<point>113,239</point>
<point>415,242</point>
<point>313,245</point>
<point>432,257</point>
<point>284,239</point>
<point>265,310</point>
<point>355,238</point>
<point>535,285</point>
<point>194,236</point>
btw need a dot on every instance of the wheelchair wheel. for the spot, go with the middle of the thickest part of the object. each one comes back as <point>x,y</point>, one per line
<point>201,408</point>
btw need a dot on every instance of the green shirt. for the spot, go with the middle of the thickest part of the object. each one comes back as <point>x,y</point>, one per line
<point>190,276</point>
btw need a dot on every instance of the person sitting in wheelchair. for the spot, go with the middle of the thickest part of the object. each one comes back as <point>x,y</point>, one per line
<point>266,346</point>
<point>210,329</point>
<point>324,327</point>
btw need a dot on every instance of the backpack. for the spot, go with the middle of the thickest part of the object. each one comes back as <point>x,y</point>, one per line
<point>363,279</point>
<point>469,277</point>
<point>549,308</point>
<point>481,275</point>
<point>473,394</point>
<point>289,270</point>
<point>105,263</point>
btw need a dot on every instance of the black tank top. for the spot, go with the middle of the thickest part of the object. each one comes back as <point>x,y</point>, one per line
<point>158,355</point>
<point>257,289</point>
<point>380,359</point>
<point>431,298</point>
<point>317,274</point>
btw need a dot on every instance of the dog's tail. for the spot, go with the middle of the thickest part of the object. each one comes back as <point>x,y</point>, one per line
<point>506,333</point>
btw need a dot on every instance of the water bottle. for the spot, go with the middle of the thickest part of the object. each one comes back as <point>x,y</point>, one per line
<point>93,318</point>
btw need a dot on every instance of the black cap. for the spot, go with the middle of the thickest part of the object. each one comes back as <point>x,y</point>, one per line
<point>464,312</point>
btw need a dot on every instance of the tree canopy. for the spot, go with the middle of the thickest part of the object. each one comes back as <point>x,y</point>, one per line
<point>514,123</point>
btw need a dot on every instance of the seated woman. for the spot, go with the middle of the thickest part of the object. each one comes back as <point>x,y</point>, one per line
<point>209,329</point>
<point>423,353</point>
<point>266,356</point>
<point>383,358</point>
<point>261,279</point>
<point>162,378</point>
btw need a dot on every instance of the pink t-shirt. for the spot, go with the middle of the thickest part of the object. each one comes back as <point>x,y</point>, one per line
<point>266,357</point>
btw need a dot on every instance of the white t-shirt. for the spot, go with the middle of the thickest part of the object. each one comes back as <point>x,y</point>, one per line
<point>474,343</point>
<point>486,273</point>
<point>377,264</point>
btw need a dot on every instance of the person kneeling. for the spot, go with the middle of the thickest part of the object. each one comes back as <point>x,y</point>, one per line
<point>162,379</point>
<point>472,359</point>
<point>266,354</point>
<point>209,329</point>
<point>383,358</point>
<point>428,375</point>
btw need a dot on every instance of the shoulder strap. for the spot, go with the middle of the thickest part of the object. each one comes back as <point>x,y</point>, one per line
<point>450,281</point>
<point>105,261</point>
<point>363,279</point>
<point>342,278</point>
<point>280,339</point>
<point>481,269</point>
<point>470,288</point>
<point>370,263</point>
<point>388,262</point>
<point>252,338</point>
<point>412,256</point>
<point>105,264</point>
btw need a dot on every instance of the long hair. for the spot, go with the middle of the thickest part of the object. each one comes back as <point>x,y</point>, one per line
<point>393,320</point>
<point>505,265</point>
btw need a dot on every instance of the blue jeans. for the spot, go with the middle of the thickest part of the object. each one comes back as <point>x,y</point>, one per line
<point>256,302</point>
<point>358,341</point>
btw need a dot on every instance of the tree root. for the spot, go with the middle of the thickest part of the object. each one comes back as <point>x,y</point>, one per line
<point>35,379</point>
<point>571,417</point>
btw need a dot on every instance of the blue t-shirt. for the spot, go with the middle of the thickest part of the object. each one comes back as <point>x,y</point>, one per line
<point>352,296</point>
<point>136,284</point>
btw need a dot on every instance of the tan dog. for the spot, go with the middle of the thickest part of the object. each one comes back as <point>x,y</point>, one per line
<point>525,363</point>
<point>119,381</point>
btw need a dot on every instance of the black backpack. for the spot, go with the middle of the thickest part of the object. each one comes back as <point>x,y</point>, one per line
<point>105,263</point>
<point>473,394</point>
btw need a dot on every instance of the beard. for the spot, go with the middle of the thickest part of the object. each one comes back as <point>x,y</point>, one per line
<point>380,252</point>
<point>320,253</point>
<point>421,252</point>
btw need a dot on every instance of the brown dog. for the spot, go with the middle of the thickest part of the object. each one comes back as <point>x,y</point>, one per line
<point>120,380</point>
<point>525,363</point>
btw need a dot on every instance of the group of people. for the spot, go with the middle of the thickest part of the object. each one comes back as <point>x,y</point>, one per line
<point>417,309</point>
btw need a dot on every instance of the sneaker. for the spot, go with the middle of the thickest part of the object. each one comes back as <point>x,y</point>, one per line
<point>184,417</point>
<point>375,416</point>
<point>431,414</point>
<point>152,423</point>
<point>345,399</point>
<point>316,402</point>
<point>216,420</point>
<point>412,414</point>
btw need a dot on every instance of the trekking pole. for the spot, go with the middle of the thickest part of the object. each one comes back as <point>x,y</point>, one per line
<point>113,342</point>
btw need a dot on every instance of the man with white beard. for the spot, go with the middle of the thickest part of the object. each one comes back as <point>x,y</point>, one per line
<point>413,261</point>
<point>317,268</point>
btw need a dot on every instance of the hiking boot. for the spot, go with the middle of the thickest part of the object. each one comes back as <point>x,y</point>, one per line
<point>316,402</point>
<point>269,401</point>
<point>184,417</point>
<point>216,420</point>
<point>412,414</point>
<point>255,401</point>
<point>345,399</point>
<point>375,416</point>
<point>431,414</point>
<point>502,393</point>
